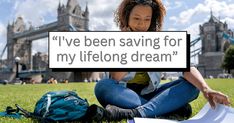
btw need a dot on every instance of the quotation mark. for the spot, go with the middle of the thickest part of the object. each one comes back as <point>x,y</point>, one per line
<point>55,38</point>
<point>175,53</point>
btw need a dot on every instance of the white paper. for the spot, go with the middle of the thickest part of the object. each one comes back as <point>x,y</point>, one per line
<point>151,120</point>
<point>221,114</point>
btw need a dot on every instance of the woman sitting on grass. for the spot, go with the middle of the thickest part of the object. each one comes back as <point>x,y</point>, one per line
<point>143,96</point>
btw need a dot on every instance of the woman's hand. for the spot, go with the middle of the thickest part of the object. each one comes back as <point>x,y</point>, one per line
<point>214,97</point>
<point>195,78</point>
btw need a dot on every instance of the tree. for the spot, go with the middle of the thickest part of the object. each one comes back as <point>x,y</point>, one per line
<point>228,62</point>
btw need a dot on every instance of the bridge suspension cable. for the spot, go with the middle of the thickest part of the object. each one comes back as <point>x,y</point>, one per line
<point>3,52</point>
<point>72,28</point>
<point>192,43</point>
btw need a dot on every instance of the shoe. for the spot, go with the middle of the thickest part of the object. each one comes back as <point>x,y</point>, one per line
<point>182,113</point>
<point>111,113</point>
<point>117,114</point>
<point>95,113</point>
<point>185,111</point>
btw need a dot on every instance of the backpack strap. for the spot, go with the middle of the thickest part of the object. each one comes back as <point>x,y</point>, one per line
<point>28,114</point>
<point>10,112</point>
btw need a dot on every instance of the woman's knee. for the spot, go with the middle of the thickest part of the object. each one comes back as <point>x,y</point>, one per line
<point>103,87</point>
<point>102,84</point>
<point>195,93</point>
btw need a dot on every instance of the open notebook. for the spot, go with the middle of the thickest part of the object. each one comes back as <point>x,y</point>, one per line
<point>221,114</point>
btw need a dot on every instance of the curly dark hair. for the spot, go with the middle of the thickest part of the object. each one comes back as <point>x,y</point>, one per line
<point>125,8</point>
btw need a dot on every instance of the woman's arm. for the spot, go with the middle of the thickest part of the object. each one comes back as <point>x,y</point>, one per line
<point>118,75</point>
<point>195,78</point>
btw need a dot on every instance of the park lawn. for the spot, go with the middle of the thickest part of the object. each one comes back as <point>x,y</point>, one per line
<point>27,95</point>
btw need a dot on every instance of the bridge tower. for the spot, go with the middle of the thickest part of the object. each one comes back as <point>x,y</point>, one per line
<point>213,46</point>
<point>18,47</point>
<point>70,17</point>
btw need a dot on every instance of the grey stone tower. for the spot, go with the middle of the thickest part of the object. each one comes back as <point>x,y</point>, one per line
<point>213,46</point>
<point>71,15</point>
<point>18,47</point>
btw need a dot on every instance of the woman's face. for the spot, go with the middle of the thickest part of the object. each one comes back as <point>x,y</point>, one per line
<point>140,18</point>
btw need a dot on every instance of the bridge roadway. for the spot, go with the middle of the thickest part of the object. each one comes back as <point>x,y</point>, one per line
<point>37,32</point>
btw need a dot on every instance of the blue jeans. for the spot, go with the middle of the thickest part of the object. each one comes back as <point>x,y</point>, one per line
<point>167,98</point>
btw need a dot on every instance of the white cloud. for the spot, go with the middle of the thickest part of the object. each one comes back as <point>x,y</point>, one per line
<point>184,16</point>
<point>2,38</point>
<point>35,10</point>
<point>2,30</point>
<point>172,29</point>
<point>102,25</point>
<point>167,4</point>
<point>194,30</point>
<point>16,5</point>
<point>219,8</point>
<point>103,17</point>
<point>173,5</point>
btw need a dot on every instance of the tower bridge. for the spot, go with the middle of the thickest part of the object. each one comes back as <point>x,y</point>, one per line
<point>70,17</point>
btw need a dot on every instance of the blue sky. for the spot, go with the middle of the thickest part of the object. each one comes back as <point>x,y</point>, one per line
<point>181,15</point>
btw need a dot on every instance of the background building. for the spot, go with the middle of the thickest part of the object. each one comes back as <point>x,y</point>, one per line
<point>214,46</point>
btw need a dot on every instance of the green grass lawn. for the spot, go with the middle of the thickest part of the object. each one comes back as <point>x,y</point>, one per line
<point>27,95</point>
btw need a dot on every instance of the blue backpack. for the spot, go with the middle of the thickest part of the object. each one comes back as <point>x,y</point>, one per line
<point>61,106</point>
<point>58,106</point>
